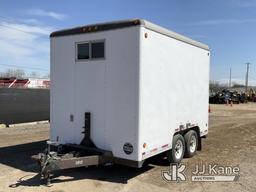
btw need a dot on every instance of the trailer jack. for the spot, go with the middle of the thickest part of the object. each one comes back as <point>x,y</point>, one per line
<point>69,156</point>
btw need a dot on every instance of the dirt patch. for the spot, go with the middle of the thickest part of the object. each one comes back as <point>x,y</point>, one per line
<point>231,141</point>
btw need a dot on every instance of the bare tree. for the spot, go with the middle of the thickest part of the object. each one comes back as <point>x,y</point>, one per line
<point>17,73</point>
<point>34,74</point>
<point>237,85</point>
<point>215,86</point>
<point>47,76</point>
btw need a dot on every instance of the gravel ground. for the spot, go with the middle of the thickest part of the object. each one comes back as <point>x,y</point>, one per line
<point>231,141</point>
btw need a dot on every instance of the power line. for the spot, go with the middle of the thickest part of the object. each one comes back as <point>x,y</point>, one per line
<point>17,29</point>
<point>18,66</point>
<point>10,27</point>
<point>9,19</point>
<point>14,28</point>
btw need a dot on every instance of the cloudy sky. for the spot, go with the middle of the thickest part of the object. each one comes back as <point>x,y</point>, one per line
<point>228,27</point>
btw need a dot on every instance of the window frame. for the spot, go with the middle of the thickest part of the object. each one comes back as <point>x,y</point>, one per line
<point>90,50</point>
<point>79,43</point>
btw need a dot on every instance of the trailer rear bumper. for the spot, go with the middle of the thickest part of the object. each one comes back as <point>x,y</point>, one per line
<point>127,162</point>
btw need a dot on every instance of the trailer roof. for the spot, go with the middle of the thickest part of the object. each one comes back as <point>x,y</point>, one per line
<point>127,23</point>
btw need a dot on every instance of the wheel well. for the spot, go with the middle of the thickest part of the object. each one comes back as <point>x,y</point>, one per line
<point>197,130</point>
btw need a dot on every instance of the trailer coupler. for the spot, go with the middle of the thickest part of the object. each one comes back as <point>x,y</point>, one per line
<point>70,156</point>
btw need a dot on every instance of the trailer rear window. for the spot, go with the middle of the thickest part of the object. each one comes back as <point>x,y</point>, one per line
<point>83,51</point>
<point>90,50</point>
<point>97,49</point>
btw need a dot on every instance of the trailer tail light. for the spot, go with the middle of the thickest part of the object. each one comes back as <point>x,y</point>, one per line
<point>146,35</point>
<point>144,145</point>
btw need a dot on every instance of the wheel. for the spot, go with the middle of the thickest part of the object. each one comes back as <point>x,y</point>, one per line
<point>191,142</point>
<point>175,155</point>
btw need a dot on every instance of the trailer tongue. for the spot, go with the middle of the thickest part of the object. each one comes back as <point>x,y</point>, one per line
<point>58,157</point>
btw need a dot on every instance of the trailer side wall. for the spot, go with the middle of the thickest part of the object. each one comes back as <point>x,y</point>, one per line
<point>174,79</point>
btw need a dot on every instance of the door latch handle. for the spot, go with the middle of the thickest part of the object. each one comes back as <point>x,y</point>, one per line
<point>71,117</point>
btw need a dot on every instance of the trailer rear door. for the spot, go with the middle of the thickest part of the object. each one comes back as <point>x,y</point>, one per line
<point>90,88</point>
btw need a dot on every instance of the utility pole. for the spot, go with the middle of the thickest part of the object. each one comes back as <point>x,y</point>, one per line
<point>229,78</point>
<point>247,76</point>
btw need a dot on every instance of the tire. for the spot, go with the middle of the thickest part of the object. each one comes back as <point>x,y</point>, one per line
<point>191,143</point>
<point>175,155</point>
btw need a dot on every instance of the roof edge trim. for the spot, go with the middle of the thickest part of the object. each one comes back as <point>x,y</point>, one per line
<point>93,28</point>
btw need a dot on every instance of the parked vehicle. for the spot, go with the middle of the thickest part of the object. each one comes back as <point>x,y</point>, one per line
<point>235,97</point>
<point>226,96</point>
<point>251,95</point>
<point>243,98</point>
<point>220,97</point>
<point>132,90</point>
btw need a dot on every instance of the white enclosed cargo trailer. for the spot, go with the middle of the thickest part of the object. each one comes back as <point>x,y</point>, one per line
<point>139,89</point>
